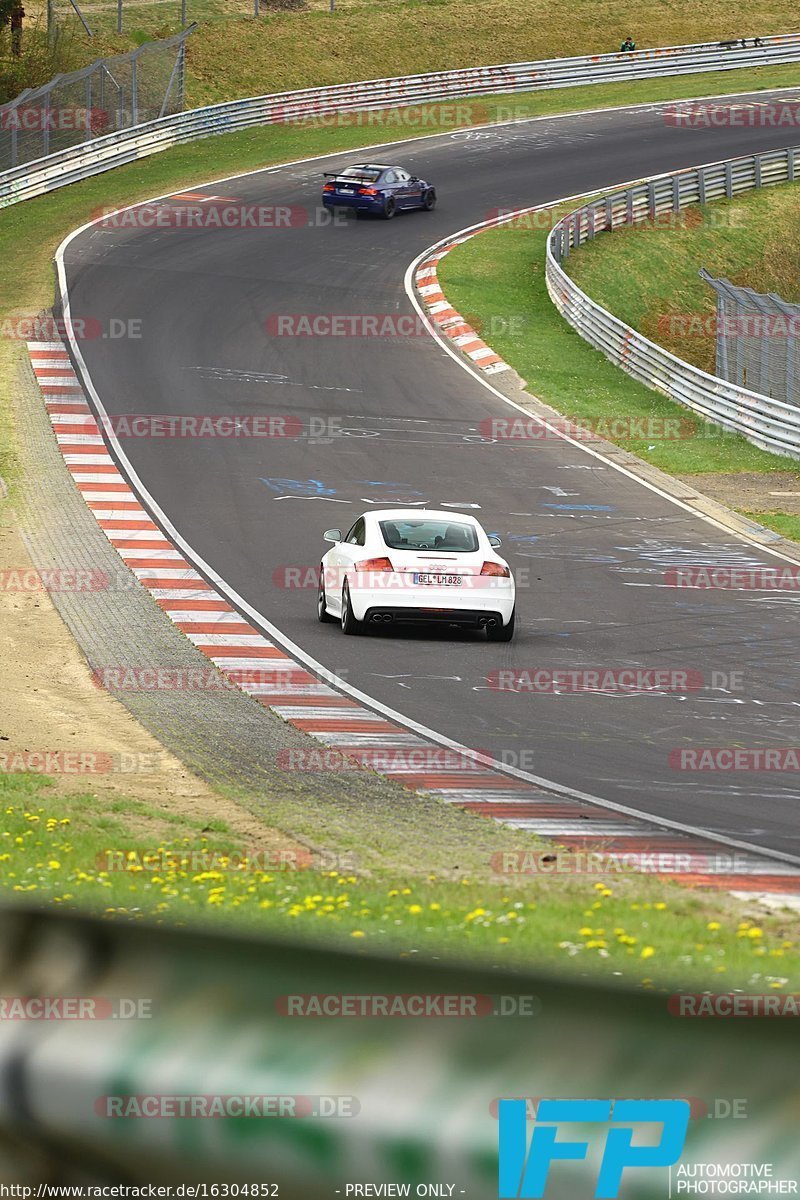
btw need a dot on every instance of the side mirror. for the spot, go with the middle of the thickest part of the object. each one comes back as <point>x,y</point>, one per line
<point>332,535</point>
<point>494,540</point>
<point>414,179</point>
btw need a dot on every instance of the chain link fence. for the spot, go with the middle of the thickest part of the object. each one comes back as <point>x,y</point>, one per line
<point>757,342</point>
<point>109,95</point>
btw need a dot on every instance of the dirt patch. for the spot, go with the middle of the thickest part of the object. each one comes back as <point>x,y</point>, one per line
<point>49,703</point>
<point>745,491</point>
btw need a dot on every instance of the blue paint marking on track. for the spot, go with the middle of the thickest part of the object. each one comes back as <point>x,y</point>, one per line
<point>584,507</point>
<point>299,487</point>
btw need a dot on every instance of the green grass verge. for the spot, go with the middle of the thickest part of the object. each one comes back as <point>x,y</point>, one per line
<point>786,524</point>
<point>644,930</point>
<point>497,280</point>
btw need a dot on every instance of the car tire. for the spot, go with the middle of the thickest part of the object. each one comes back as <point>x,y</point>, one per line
<point>502,633</point>
<point>323,616</point>
<point>389,208</point>
<point>429,200</point>
<point>350,625</point>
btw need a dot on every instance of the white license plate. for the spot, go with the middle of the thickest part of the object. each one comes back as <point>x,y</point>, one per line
<point>429,580</point>
<point>349,191</point>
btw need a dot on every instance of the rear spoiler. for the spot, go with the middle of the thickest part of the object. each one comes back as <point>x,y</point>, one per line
<point>349,178</point>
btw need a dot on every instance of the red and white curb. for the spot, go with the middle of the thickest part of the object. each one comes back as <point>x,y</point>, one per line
<point>448,321</point>
<point>266,672</point>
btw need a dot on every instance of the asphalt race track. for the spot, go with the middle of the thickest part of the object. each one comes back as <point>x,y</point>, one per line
<point>590,544</point>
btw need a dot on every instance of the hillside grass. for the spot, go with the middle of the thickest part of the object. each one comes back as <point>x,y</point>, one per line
<point>647,931</point>
<point>234,55</point>
<point>752,240</point>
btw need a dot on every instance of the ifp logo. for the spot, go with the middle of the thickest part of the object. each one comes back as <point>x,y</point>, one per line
<point>524,1170</point>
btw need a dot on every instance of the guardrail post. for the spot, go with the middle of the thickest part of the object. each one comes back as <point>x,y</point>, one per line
<point>590,212</point>
<point>629,207</point>
<point>790,164</point>
<point>701,185</point>
<point>651,200</point>
<point>757,168</point>
<point>609,218</point>
<point>676,193</point>
<point>729,181</point>
<point>46,124</point>
<point>134,92</point>
<point>565,241</point>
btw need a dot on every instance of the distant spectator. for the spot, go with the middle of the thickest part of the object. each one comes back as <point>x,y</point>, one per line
<point>628,44</point>
<point>17,13</point>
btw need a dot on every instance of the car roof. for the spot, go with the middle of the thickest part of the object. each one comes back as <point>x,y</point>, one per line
<point>426,514</point>
<point>372,167</point>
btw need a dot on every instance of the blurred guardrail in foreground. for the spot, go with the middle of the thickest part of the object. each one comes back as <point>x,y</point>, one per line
<point>770,424</point>
<point>101,153</point>
<point>356,1098</point>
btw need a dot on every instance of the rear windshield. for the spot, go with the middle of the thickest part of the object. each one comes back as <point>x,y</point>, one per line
<point>363,174</point>
<point>429,535</point>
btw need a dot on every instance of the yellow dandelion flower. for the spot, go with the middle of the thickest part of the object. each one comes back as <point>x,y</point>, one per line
<point>647,952</point>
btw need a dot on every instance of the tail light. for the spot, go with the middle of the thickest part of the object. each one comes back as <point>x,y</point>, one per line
<point>329,188</point>
<point>374,564</point>
<point>493,568</point>
<point>367,191</point>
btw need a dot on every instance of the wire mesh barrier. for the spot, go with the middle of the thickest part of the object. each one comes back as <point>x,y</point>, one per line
<point>111,94</point>
<point>323,1068</point>
<point>101,153</point>
<point>757,340</point>
<point>769,423</point>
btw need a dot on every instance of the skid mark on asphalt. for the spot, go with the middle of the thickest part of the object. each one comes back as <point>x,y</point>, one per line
<point>307,701</point>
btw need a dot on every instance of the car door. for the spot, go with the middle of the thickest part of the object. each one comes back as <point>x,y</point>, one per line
<point>348,552</point>
<point>388,186</point>
<point>410,190</point>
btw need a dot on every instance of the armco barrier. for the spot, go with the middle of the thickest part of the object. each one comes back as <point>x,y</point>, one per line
<point>770,424</point>
<point>103,153</point>
<point>217,1023</point>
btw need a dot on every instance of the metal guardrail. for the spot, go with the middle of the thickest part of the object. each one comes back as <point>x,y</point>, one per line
<point>210,1014</point>
<point>770,424</point>
<point>102,153</point>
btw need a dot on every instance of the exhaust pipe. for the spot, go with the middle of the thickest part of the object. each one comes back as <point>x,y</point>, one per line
<point>491,622</point>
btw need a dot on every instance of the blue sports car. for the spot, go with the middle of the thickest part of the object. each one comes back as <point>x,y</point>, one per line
<point>368,188</point>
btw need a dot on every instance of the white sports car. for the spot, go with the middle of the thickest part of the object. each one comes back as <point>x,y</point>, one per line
<point>416,565</point>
